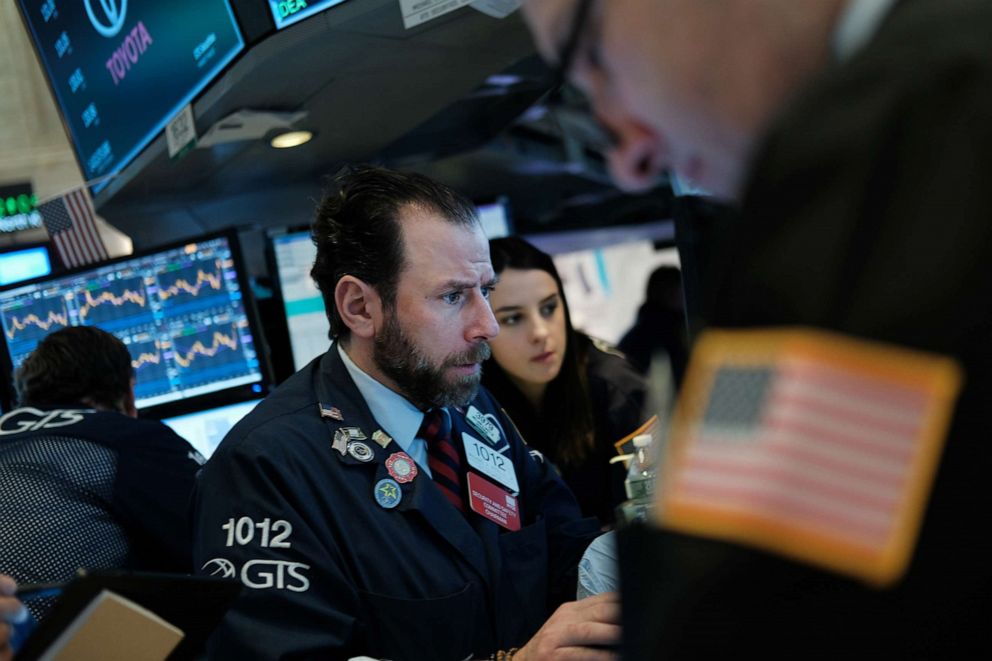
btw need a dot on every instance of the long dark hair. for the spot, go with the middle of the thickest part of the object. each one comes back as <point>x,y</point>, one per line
<point>566,406</point>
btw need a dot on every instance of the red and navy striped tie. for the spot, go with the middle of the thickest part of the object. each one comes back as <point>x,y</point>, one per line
<point>442,456</point>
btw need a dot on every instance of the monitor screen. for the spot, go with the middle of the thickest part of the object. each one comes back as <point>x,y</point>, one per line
<point>206,429</point>
<point>180,310</point>
<point>495,219</point>
<point>120,71</point>
<point>287,12</point>
<point>302,303</point>
<point>23,264</point>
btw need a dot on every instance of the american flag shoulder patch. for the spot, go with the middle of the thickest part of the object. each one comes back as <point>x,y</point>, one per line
<point>812,445</point>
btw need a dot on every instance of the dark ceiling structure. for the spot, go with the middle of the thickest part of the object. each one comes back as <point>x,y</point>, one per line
<point>460,98</point>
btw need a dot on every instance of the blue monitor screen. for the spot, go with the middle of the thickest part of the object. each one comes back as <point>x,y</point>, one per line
<point>121,70</point>
<point>24,264</point>
<point>180,311</point>
<point>287,12</point>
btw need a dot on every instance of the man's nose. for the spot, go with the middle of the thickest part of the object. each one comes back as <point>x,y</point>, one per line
<point>637,159</point>
<point>483,324</point>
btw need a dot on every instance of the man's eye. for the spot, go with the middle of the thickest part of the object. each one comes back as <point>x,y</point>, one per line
<point>452,298</point>
<point>487,291</point>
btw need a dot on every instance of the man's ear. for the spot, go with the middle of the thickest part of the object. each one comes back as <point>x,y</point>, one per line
<point>359,305</point>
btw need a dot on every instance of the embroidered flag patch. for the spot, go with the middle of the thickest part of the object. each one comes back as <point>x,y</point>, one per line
<point>816,446</point>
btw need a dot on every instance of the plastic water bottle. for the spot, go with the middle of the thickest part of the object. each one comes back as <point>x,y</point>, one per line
<point>641,473</point>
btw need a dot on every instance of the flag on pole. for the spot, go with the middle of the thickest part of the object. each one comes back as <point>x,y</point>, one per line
<point>816,446</point>
<point>71,224</point>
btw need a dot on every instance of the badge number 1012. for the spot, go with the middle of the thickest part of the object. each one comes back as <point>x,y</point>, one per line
<point>490,463</point>
<point>271,534</point>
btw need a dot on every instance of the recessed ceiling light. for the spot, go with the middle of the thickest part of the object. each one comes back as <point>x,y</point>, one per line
<point>291,139</point>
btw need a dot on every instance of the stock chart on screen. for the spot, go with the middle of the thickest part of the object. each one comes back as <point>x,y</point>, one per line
<point>180,311</point>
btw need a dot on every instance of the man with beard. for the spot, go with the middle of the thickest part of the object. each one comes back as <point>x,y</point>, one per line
<point>379,502</point>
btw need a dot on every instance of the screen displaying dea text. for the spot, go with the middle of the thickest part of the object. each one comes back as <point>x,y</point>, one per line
<point>121,70</point>
<point>287,12</point>
<point>179,310</point>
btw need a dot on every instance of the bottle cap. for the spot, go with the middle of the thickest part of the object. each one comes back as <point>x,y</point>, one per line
<point>642,440</point>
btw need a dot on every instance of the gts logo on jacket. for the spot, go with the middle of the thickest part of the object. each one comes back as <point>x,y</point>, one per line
<point>32,419</point>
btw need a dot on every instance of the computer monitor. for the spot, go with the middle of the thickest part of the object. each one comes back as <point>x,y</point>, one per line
<point>287,12</point>
<point>119,71</point>
<point>495,218</point>
<point>302,303</point>
<point>181,310</point>
<point>206,429</point>
<point>18,263</point>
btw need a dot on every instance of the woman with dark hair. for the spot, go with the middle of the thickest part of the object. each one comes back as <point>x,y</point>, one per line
<point>572,397</point>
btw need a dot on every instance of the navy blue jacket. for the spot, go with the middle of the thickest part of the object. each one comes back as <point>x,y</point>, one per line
<point>332,573</point>
<point>93,489</point>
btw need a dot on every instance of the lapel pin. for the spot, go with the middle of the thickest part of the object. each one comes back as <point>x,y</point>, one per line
<point>381,437</point>
<point>340,442</point>
<point>360,451</point>
<point>332,412</point>
<point>387,493</point>
<point>401,467</point>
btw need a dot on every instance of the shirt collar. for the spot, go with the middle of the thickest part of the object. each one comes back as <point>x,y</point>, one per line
<point>858,23</point>
<point>394,413</point>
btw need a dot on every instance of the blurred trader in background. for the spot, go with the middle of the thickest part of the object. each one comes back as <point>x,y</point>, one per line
<point>83,483</point>
<point>660,326</point>
<point>856,137</point>
<point>378,502</point>
<point>571,397</point>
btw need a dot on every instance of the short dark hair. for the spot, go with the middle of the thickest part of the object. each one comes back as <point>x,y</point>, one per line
<point>357,229</point>
<point>76,364</point>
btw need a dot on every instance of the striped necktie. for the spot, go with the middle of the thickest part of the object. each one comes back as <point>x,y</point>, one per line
<point>442,456</point>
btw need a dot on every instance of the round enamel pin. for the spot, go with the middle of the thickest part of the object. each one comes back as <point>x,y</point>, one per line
<point>401,467</point>
<point>387,493</point>
<point>360,451</point>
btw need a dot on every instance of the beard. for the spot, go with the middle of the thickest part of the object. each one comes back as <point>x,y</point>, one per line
<point>418,378</point>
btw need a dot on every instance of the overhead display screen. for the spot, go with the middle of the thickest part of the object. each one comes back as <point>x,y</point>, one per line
<point>121,69</point>
<point>180,311</point>
<point>287,12</point>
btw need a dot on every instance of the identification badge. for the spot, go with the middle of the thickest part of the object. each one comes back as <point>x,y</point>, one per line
<point>490,463</point>
<point>492,502</point>
<point>483,425</point>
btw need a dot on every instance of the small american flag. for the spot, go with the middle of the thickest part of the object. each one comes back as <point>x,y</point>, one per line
<point>72,227</point>
<point>822,448</point>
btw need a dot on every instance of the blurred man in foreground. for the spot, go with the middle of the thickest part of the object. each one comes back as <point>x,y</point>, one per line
<point>854,135</point>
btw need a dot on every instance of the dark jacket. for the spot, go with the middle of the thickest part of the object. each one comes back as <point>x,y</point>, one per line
<point>338,573</point>
<point>92,489</point>
<point>867,213</point>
